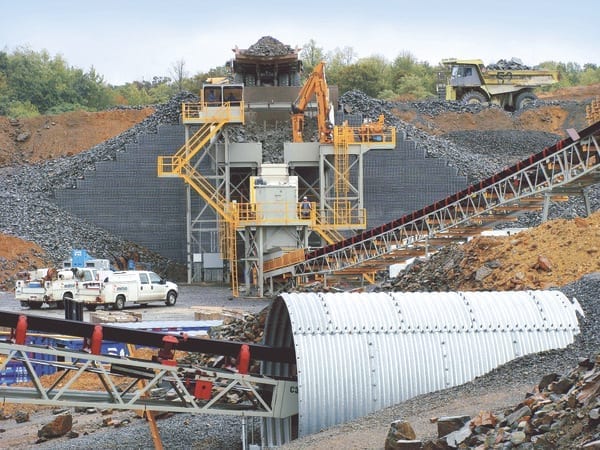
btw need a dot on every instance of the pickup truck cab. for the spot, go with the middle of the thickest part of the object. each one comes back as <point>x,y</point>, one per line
<point>131,286</point>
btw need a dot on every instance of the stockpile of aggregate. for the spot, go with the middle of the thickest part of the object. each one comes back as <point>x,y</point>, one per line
<point>268,46</point>
<point>27,210</point>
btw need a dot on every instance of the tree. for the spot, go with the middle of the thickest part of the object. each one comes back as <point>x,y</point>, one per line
<point>311,55</point>
<point>369,75</point>
<point>336,60</point>
<point>35,81</point>
<point>179,73</point>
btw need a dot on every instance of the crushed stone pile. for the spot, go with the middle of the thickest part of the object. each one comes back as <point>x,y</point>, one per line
<point>268,46</point>
<point>561,412</point>
<point>512,64</point>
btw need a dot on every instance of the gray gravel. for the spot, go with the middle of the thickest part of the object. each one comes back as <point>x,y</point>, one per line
<point>180,431</point>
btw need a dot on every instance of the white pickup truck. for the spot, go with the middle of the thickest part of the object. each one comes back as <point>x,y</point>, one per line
<point>51,287</point>
<point>131,286</point>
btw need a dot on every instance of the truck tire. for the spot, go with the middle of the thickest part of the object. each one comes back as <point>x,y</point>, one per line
<point>90,307</point>
<point>473,98</point>
<point>171,298</point>
<point>67,296</point>
<point>524,99</point>
<point>119,303</point>
<point>35,305</point>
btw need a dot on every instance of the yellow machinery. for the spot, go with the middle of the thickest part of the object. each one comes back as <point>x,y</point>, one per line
<point>316,85</point>
<point>470,82</point>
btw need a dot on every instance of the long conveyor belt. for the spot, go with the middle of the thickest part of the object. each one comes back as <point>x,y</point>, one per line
<point>141,384</point>
<point>556,172</point>
<point>145,338</point>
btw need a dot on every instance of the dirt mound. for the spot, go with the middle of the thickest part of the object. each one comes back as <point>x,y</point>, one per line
<point>46,137</point>
<point>551,255</point>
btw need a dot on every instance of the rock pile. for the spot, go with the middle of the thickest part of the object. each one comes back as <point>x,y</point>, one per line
<point>268,46</point>
<point>249,328</point>
<point>512,64</point>
<point>28,212</point>
<point>562,412</point>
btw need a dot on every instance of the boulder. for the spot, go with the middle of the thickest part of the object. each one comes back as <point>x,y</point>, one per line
<point>60,426</point>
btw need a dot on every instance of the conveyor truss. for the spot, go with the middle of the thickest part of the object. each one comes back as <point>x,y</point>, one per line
<point>161,384</point>
<point>553,174</point>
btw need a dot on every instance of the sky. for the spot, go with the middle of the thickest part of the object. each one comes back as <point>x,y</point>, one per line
<point>130,40</point>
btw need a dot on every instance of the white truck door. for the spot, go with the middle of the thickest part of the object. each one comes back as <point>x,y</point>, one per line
<point>159,290</point>
<point>145,288</point>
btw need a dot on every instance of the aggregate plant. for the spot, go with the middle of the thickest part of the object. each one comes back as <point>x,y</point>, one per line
<point>29,213</point>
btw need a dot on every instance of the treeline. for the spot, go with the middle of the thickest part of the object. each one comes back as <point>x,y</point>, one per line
<point>33,83</point>
<point>407,78</point>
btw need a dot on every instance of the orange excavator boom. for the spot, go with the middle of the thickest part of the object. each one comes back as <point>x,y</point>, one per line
<point>316,85</point>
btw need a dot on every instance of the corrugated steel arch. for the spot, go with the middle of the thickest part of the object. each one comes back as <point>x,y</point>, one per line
<point>360,352</point>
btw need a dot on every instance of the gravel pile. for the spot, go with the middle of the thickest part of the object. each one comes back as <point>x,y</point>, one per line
<point>27,210</point>
<point>268,46</point>
<point>513,64</point>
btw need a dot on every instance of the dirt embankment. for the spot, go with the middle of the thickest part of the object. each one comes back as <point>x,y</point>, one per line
<point>46,137</point>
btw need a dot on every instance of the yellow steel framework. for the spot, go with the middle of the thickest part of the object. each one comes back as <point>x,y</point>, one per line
<point>341,205</point>
<point>212,120</point>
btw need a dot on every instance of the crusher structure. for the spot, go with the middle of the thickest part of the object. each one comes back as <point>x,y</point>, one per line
<point>252,208</point>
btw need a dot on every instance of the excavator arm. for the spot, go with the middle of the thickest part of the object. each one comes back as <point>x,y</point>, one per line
<point>315,85</point>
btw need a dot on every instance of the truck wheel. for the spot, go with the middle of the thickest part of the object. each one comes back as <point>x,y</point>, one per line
<point>35,305</point>
<point>119,303</point>
<point>524,99</point>
<point>171,298</point>
<point>90,307</point>
<point>66,298</point>
<point>473,98</point>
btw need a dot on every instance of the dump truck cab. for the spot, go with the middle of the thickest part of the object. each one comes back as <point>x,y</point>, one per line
<point>466,74</point>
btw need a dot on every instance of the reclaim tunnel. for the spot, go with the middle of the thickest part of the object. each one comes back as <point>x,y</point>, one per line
<point>357,353</point>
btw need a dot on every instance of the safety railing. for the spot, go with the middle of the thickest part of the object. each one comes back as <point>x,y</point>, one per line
<point>207,112</point>
<point>370,134</point>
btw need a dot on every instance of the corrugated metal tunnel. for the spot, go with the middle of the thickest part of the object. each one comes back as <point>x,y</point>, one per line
<point>358,353</point>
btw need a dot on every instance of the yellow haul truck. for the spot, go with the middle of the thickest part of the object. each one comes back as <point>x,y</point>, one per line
<point>509,86</point>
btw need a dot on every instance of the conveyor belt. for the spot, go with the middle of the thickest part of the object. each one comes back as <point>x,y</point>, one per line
<point>145,338</point>
<point>564,169</point>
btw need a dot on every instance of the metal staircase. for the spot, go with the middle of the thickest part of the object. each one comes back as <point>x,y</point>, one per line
<point>555,173</point>
<point>181,165</point>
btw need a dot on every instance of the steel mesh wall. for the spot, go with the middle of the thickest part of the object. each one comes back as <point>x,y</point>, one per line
<point>399,181</point>
<point>126,197</point>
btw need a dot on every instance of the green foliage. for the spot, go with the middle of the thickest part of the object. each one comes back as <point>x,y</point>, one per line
<point>66,107</point>
<point>413,87</point>
<point>311,55</point>
<point>369,75</point>
<point>35,80</point>
<point>572,74</point>
<point>17,108</point>
<point>590,75</point>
